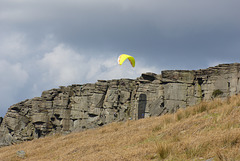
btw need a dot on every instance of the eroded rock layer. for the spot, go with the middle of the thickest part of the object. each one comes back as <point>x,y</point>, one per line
<point>78,107</point>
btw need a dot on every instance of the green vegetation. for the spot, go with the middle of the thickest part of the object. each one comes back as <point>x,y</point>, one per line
<point>216,93</point>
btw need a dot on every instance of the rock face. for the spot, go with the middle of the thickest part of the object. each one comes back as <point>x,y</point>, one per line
<point>78,107</point>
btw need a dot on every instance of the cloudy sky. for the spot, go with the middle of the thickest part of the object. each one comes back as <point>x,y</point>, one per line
<point>50,43</point>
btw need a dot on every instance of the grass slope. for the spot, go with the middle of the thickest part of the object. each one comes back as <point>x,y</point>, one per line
<point>210,130</point>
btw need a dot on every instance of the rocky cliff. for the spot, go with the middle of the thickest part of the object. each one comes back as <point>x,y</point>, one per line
<point>78,107</point>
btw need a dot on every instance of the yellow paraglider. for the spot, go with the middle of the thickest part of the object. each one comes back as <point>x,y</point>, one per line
<point>123,57</point>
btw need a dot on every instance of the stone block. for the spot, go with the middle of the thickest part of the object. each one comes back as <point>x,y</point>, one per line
<point>40,117</point>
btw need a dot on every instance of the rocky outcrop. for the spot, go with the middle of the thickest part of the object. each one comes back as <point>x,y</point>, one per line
<point>79,107</point>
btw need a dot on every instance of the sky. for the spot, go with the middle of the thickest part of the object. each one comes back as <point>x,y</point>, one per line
<point>46,44</point>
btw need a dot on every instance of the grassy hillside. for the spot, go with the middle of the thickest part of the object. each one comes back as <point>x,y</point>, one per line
<point>210,130</point>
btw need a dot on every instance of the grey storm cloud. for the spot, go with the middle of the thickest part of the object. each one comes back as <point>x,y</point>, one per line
<point>133,25</point>
<point>44,44</point>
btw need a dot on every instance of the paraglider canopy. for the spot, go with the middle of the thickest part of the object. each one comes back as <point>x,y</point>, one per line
<point>123,57</point>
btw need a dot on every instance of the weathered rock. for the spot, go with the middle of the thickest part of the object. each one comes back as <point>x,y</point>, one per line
<point>21,154</point>
<point>78,107</point>
<point>1,119</point>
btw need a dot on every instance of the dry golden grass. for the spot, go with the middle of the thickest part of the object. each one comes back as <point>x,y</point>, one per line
<point>210,130</point>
